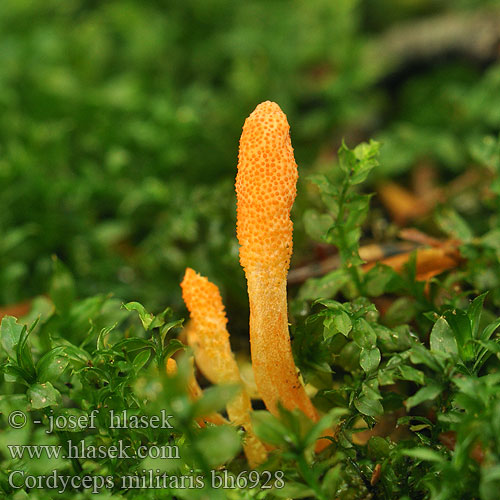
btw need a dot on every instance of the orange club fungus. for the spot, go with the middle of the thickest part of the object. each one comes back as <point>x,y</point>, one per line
<point>265,190</point>
<point>207,335</point>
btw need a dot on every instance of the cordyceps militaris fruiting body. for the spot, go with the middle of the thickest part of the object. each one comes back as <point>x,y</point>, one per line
<point>207,335</point>
<point>265,190</point>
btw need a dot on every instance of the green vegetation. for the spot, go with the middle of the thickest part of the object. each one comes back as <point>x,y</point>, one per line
<point>118,146</point>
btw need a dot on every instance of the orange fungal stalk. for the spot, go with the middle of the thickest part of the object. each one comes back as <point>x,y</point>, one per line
<point>209,339</point>
<point>265,190</point>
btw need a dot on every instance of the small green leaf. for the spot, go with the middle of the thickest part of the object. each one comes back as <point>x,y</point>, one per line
<point>363,334</point>
<point>52,364</point>
<point>359,162</point>
<point>429,392</point>
<point>333,305</point>
<point>349,357</point>
<point>10,332</point>
<point>43,395</point>
<point>141,359</point>
<point>337,322</point>
<point>161,318</point>
<point>173,346</point>
<point>101,339</point>
<point>325,287</point>
<point>460,324</point>
<point>133,344</point>
<point>369,407</point>
<point>442,338</point>
<point>419,427</point>
<point>407,420</point>
<point>343,323</point>
<point>474,312</point>
<point>412,374</point>
<point>489,330</point>
<point>270,429</point>
<point>317,225</point>
<point>332,480</point>
<point>378,448</point>
<point>166,328</point>
<point>79,357</point>
<point>146,317</point>
<point>23,352</point>
<point>14,373</point>
<point>419,354</point>
<point>369,359</point>
<point>424,454</point>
